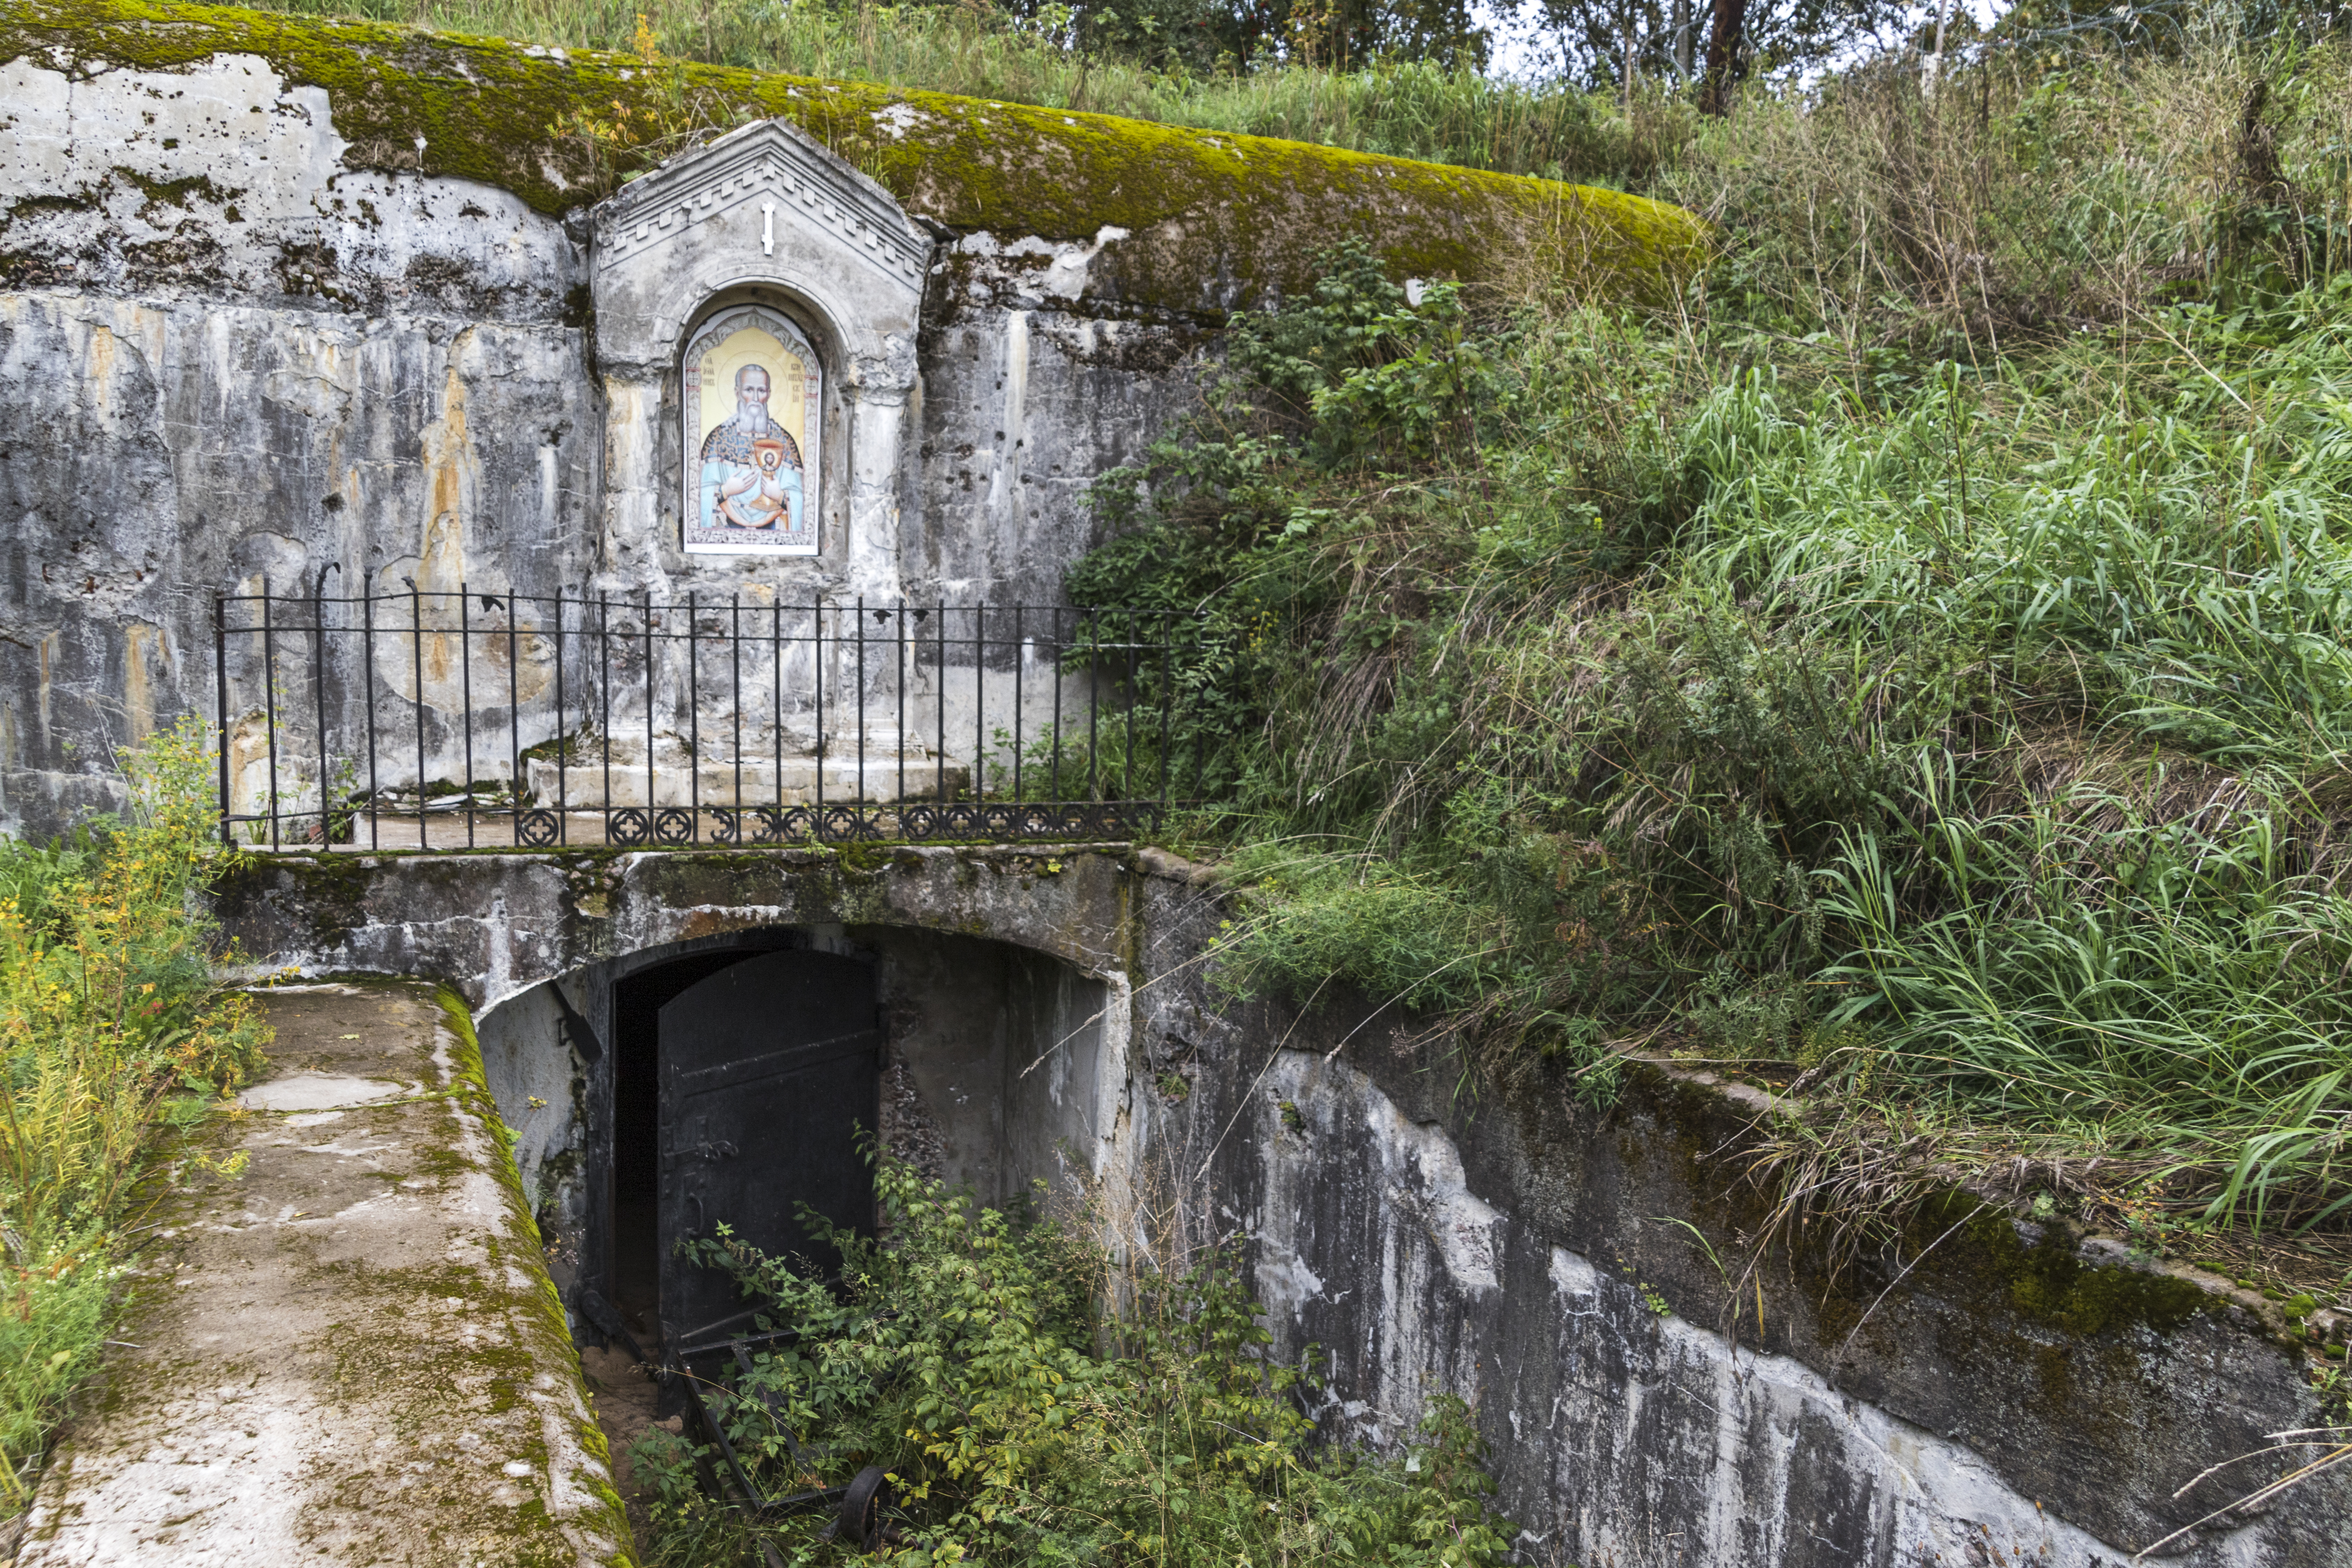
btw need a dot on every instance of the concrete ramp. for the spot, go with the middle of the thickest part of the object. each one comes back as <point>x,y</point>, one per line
<point>349,1352</point>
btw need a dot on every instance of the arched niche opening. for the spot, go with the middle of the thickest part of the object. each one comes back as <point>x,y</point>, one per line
<point>757,434</point>
<point>734,1070</point>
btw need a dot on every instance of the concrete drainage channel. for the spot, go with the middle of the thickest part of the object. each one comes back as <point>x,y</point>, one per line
<point>348,1351</point>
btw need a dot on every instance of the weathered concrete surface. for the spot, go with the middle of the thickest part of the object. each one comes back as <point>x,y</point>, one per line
<point>2017,1396</point>
<point>349,1353</point>
<point>311,303</point>
<point>495,924</point>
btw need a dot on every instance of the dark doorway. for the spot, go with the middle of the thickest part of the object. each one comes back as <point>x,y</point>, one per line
<point>770,1067</point>
<point>636,1248</point>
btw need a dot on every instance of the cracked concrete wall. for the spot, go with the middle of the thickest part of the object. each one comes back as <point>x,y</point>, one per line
<point>2012,1395</point>
<point>229,358</point>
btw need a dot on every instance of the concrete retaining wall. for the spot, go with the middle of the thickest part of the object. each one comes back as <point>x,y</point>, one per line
<point>2016,1395</point>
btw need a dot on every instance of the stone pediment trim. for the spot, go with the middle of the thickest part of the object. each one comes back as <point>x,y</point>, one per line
<point>773,158</point>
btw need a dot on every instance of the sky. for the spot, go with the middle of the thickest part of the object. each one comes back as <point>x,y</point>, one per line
<point>1518,39</point>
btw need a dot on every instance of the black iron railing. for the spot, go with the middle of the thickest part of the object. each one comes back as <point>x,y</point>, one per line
<point>463,718</point>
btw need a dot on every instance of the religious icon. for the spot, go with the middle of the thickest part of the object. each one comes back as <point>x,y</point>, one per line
<point>751,394</point>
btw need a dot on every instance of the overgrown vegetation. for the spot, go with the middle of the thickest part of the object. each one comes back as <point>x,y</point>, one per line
<point>1915,671</point>
<point>1412,108</point>
<point>1035,1404</point>
<point>113,1034</point>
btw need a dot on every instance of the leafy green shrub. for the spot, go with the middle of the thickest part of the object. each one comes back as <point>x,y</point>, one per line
<point>1032,1406</point>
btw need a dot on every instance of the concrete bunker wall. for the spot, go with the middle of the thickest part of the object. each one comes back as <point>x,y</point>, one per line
<point>338,308</point>
<point>349,381</point>
<point>2018,1395</point>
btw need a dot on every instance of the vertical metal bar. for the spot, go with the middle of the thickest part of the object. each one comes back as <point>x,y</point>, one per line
<point>1093,705</point>
<point>980,702</point>
<point>417,659</point>
<point>898,625</point>
<point>514,722</point>
<point>1020,665</point>
<point>367,680</point>
<point>647,596</point>
<point>269,706</point>
<point>693,721</point>
<point>1056,785</point>
<point>776,674</point>
<point>466,696</point>
<point>319,696</point>
<point>605,698</point>
<point>817,662</point>
<point>735,665</point>
<point>939,713</point>
<point>563,735</point>
<point>860,801</point>
<point>220,709</point>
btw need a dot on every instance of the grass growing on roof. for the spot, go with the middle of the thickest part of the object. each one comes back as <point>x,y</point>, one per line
<point>1211,216</point>
<point>1398,108</point>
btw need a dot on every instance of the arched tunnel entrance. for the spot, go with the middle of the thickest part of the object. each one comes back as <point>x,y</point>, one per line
<point>743,1084</point>
<point>731,1079</point>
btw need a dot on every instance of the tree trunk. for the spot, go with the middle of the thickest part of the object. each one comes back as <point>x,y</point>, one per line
<point>1722,55</point>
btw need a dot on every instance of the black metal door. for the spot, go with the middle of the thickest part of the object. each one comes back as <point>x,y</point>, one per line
<point>769,1069</point>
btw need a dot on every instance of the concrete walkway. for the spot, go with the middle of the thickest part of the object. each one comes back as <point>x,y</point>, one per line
<point>349,1353</point>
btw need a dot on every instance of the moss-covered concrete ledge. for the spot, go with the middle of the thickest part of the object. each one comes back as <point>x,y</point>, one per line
<point>1212,220</point>
<point>348,1351</point>
<point>2001,1394</point>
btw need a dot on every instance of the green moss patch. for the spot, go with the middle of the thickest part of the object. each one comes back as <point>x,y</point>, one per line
<point>2048,1281</point>
<point>1215,219</point>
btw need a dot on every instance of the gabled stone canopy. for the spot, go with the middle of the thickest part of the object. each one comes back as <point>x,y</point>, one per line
<point>767,215</point>
<point>768,204</point>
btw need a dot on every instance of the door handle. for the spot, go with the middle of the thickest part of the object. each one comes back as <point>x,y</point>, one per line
<point>714,1153</point>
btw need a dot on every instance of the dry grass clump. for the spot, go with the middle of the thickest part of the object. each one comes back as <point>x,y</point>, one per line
<point>2020,201</point>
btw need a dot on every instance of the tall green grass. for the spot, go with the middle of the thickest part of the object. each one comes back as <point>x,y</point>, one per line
<point>1935,699</point>
<point>111,1032</point>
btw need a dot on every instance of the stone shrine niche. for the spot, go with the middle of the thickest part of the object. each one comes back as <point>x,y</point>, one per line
<point>756,302</point>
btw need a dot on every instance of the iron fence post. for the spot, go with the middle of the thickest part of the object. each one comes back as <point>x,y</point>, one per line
<point>269,706</point>
<point>220,709</point>
<point>367,681</point>
<point>466,695</point>
<point>514,720</point>
<point>318,697</point>
<point>416,656</point>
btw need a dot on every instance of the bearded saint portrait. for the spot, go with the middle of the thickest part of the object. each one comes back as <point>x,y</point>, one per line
<point>751,464</point>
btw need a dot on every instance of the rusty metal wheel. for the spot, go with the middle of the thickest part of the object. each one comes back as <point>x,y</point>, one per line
<point>862,1506</point>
